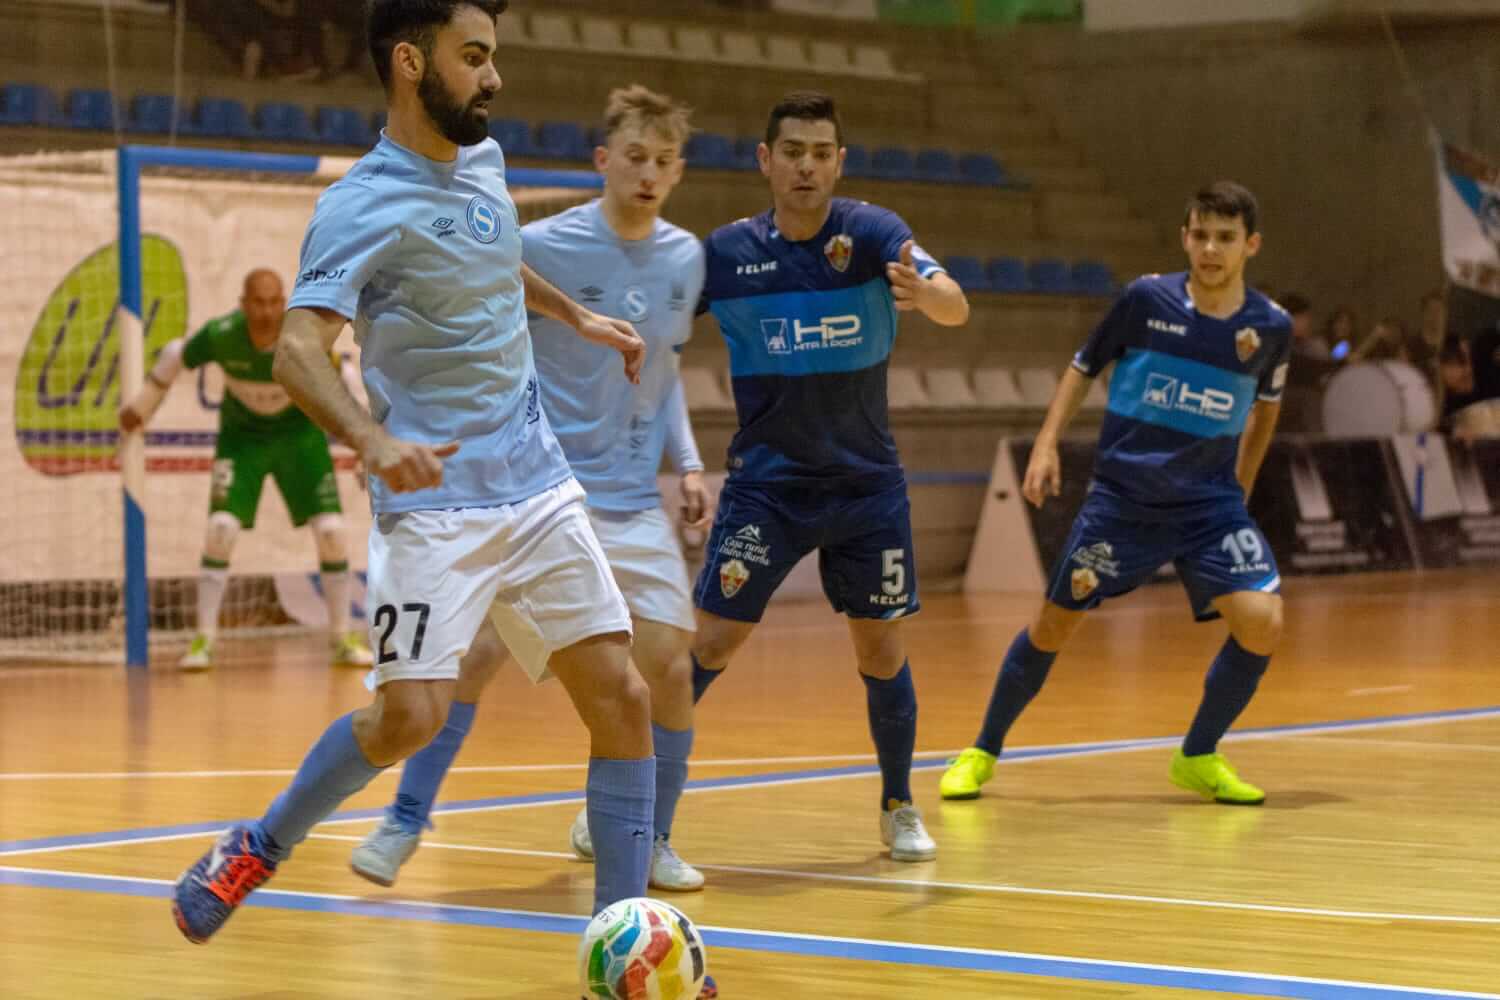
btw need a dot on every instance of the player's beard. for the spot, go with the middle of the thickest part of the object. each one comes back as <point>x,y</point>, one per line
<point>458,123</point>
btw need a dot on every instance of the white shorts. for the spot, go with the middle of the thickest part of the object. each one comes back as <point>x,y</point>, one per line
<point>533,568</point>
<point>643,552</point>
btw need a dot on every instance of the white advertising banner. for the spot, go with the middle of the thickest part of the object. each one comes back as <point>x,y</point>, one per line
<point>59,356</point>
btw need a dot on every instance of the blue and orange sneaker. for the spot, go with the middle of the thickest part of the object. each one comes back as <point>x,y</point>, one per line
<point>710,989</point>
<point>218,883</point>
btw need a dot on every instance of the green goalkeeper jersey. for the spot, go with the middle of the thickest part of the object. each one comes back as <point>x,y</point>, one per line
<point>254,403</point>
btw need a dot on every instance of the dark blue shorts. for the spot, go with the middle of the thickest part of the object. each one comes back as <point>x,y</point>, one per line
<point>863,543</point>
<point>1109,553</point>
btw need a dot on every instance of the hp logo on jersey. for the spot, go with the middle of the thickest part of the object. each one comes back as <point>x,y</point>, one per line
<point>1168,393</point>
<point>484,220</point>
<point>830,332</point>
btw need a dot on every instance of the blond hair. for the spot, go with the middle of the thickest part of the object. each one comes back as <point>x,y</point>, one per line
<point>638,105</point>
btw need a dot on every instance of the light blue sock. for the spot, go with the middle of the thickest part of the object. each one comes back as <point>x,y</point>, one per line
<point>621,798</point>
<point>673,747</point>
<point>424,771</point>
<point>334,769</point>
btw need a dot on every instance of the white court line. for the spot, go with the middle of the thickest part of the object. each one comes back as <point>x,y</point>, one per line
<point>853,758</point>
<point>1403,744</point>
<point>419,906</point>
<point>1017,890</point>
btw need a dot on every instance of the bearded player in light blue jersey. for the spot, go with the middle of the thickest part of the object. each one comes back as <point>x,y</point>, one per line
<point>480,526</point>
<point>618,252</point>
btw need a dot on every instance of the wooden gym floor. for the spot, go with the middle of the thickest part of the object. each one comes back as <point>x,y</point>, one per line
<point>1373,871</point>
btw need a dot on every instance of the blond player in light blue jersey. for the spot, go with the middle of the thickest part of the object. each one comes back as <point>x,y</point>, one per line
<point>619,253</point>
<point>480,526</point>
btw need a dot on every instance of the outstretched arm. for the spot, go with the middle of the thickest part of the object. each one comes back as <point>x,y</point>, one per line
<point>1044,470</point>
<point>1254,442</point>
<point>682,452</point>
<point>938,298</point>
<point>544,297</point>
<point>305,369</point>
<point>138,412</point>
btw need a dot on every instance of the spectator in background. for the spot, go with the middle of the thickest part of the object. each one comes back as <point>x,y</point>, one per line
<point>1434,319</point>
<point>1306,343</point>
<point>1338,332</point>
<point>1386,341</point>
<point>1469,372</point>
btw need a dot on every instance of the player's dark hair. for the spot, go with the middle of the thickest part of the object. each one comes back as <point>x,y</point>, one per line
<point>807,106</point>
<point>1227,200</point>
<point>391,22</point>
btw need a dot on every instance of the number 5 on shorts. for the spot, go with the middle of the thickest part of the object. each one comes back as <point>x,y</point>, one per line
<point>893,572</point>
<point>385,617</point>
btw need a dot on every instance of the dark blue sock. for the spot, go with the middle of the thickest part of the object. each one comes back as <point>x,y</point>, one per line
<point>1021,676</point>
<point>621,800</point>
<point>1231,682</point>
<point>702,678</point>
<point>334,769</point>
<point>673,747</point>
<point>893,725</point>
<point>424,771</point>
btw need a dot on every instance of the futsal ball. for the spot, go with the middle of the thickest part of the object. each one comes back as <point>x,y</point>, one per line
<point>641,949</point>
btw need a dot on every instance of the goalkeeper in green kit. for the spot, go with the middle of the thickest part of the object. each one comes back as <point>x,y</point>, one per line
<point>261,433</point>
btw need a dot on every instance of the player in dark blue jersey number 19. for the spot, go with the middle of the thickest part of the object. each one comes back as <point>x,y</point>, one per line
<point>807,297</point>
<point>1200,361</point>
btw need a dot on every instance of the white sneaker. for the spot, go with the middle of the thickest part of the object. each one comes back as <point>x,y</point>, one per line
<point>579,838</point>
<point>380,856</point>
<point>200,655</point>
<point>669,872</point>
<point>902,831</point>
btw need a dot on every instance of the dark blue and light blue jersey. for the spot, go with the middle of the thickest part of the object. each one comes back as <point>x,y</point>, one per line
<point>810,326</point>
<point>1182,389</point>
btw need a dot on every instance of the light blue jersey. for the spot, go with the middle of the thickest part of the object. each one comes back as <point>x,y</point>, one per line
<point>614,433</point>
<point>425,259</point>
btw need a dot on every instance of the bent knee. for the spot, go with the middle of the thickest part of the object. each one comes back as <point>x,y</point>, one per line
<point>1053,627</point>
<point>1258,624</point>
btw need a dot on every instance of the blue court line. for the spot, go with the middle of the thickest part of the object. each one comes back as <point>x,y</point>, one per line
<point>852,949</point>
<point>764,779</point>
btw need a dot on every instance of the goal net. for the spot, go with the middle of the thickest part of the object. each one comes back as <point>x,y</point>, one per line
<point>68,548</point>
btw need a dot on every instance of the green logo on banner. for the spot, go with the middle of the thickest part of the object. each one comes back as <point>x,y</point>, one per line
<point>68,382</point>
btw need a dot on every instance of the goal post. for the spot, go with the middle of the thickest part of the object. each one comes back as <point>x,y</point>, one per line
<point>111,255</point>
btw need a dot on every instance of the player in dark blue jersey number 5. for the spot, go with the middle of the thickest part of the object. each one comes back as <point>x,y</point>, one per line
<point>807,296</point>
<point>1200,361</point>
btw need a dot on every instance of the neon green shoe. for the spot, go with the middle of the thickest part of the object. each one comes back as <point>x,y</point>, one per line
<point>966,773</point>
<point>349,650</point>
<point>200,655</point>
<point>1212,777</point>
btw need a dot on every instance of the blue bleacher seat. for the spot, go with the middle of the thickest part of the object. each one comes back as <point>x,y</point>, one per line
<point>1051,276</point>
<point>513,135</point>
<point>745,157</point>
<point>153,114</point>
<point>562,141</point>
<point>1008,275</point>
<point>709,150</point>
<point>27,104</point>
<point>222,118</point>
<point>89,109</point>
<point>344,127</point>
<point>892,163</point>
<point>980,168</point>
<point>1093,277</point>
<point>968,272</point>
<point>856,161</point>
<point>936,166</point>
<point>284,123</point>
